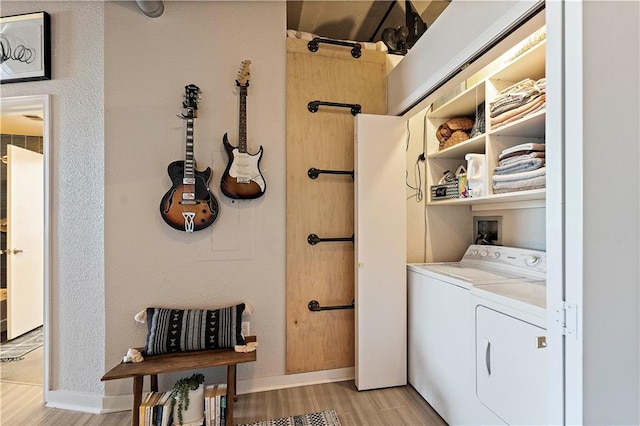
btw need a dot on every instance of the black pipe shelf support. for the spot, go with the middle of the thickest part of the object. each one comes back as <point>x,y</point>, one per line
<point>313,173</point>
<point>313,239</point>
<point>314,44</point>
<point>313,106</point>
<point>314,306</point>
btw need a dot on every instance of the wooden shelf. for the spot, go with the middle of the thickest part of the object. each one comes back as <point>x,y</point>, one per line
<point>464,104</point>
<point>530,64</point>
<point>180,361</point>
<point>531,125</point>
<point>475,144</point>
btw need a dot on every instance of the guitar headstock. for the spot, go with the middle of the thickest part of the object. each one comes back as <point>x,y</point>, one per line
<point>244,74</point>
<point>192,95</point>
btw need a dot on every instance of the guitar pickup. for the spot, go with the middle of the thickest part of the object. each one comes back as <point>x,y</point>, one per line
<point>188,195</point>
<point>189,181</point>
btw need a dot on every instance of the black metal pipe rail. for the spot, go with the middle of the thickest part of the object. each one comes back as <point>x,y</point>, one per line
<point>313,239</point>
<point>313,172</point>
<point>314,306</point>
<point>314,105</point>
<point>356,50</point>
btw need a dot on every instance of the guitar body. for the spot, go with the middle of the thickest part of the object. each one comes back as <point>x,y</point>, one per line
<point>182,211</point>
<point>242,178</point>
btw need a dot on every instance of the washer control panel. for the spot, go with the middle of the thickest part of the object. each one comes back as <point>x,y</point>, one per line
<point>513,257</point>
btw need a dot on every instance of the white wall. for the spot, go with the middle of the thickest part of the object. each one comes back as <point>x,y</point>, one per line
<point>241,257</point>
<point>77,304</point>
<point>111,253</point>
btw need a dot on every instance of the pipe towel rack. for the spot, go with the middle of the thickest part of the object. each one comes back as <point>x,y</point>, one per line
<point>356,50</point>
<point>314,306</point>
<point>313,239</point>
<point>313,173</point>
<point>314,105</point>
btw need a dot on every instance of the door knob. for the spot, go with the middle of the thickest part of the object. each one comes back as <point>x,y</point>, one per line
<point>11,251</point>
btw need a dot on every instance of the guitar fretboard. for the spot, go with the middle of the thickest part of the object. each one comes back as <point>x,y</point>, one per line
<point>189,165</point>
<point>242,131</point>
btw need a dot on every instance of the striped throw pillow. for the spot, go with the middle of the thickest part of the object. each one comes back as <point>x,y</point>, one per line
<point>184,330</point>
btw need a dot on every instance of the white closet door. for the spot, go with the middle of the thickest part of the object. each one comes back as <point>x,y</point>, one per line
<point>25,266</point>
<point>380,252</point>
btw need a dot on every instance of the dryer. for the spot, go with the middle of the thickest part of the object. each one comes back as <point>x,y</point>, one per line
<point>442,306</point>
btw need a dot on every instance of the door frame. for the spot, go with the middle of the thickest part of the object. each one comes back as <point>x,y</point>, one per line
<point>44,101</point>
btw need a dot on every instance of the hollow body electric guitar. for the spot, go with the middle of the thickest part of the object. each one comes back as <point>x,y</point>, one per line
<point>242,178</point>
<point>189,205</point>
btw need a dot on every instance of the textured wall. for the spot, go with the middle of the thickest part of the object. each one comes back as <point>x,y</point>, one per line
<point>77,319</point>
<point>241,257</point>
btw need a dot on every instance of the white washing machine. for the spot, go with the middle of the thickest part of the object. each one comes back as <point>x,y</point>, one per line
<point>443,302</point>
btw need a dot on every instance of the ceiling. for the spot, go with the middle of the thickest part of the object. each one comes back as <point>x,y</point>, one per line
<point>355,19</point>
<point>21,120</point>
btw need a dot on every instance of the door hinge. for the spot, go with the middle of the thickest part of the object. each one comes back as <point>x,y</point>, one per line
<point>567,318</point>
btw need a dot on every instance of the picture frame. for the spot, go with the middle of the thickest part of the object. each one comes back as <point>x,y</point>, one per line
<point>25,42</point>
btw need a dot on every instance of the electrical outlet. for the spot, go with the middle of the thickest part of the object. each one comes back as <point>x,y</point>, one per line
<point>245,328</point>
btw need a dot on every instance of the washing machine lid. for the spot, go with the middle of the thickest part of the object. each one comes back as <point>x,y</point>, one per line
<point>529,292</point>
<point>465,272</point>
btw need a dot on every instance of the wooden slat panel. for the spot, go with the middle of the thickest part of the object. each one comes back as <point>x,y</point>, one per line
<point>323,206</point>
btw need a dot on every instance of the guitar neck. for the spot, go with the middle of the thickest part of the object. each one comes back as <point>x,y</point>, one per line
<point>242,131</point>
<point>189,163</point>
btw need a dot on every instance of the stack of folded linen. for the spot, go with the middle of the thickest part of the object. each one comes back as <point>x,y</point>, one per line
<point>520,168</point>
<point>516,101</point>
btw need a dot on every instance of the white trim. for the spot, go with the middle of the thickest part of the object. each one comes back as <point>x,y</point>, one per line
<point>573,201</point>
<point>74,401</point>
<point>555,219</point>
<point>45,101</point>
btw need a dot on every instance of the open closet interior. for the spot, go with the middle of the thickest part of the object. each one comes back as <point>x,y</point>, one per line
<point>482,135</point>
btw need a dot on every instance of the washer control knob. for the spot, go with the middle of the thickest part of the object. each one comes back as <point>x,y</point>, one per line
<point>532,260</point>
<point>484,253</point>
<point>496,254</point>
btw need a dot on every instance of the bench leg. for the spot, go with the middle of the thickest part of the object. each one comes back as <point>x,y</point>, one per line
<point>231,392</point>
<point>137,399</point>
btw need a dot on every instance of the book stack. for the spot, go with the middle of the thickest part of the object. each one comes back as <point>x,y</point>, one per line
<point>155,409</point>
<point>215,405</point>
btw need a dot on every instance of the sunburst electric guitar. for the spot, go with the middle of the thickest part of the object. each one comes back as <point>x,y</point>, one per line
<point>189,205</point>
<point>242,178</point>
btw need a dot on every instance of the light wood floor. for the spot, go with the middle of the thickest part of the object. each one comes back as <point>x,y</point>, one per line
<point>21,403</point>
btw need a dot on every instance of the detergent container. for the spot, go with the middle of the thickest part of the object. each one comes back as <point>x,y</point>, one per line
<point>476,174</point>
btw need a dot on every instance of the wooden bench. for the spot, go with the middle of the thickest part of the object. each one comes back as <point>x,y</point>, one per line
<point>170,363</point>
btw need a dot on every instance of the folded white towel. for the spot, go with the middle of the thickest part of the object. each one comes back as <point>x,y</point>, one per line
<point>520,185</point>
<point>542,171</point>
<point>516,158</point>
<point>531,146</point>
<point>520,166</point>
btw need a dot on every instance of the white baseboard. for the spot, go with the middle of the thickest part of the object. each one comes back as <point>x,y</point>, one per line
<point>109,404</point>
<point>75,401</point>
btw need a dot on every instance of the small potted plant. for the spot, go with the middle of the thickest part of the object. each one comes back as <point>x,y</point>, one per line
<point>188,399</point>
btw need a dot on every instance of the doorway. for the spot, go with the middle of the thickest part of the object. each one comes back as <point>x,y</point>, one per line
<point>24,235</point>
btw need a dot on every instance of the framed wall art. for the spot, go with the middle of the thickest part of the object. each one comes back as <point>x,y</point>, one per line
<point>25,43</point>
